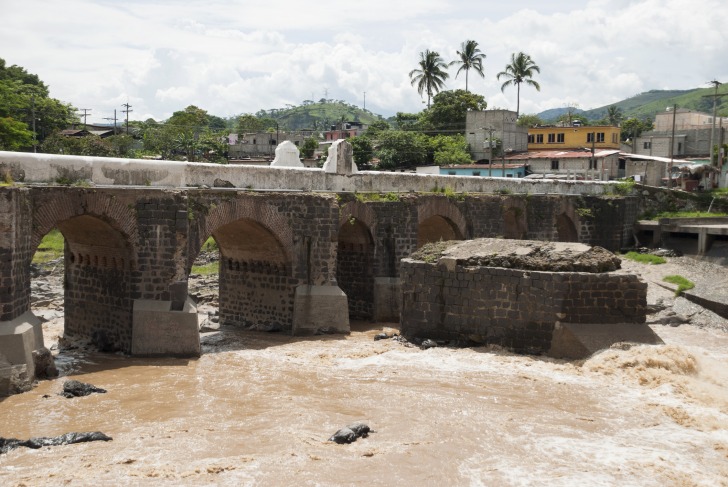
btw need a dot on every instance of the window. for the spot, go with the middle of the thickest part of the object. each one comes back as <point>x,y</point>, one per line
<point>647,145</point>
<point>679,147</point>
<point>476,173</point>
<point>509,175</point>
<point>530,139</point>
<point>592,163</point>
<point>599,137</point>
<point>555,164</point>
<point>539,138</point>
<point>552,138</point>
<point>273,142</point>
<point>295,142</point>
<point>560,138</point>
<point>451,173</point>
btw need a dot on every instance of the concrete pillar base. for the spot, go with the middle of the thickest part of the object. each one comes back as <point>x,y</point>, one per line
<point>387,294</point>
<point>158,330</point>
<point>320,309</point>
<point>580,340</point>
<point>18,338</point>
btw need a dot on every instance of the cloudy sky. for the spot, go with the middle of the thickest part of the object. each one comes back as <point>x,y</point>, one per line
<point>230,57</point>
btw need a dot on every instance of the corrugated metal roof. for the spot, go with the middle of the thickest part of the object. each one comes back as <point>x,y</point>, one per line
<point>561,154</point>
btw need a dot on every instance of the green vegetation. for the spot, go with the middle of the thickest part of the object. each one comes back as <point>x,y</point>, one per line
<point>585,212</point>
<point>364,197</point>
<point>520,70</point>
<point>431,75</point>
<point>209,269</point>
<point>682,283</point>
<point>686,214</point>
<point>210,245</point>
<point>645,258</point>
<point>50,248</point>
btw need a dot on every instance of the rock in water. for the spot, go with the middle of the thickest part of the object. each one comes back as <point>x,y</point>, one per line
<point>7,444</point>
<point>344,435</point>
<point>360,429</point>
<point>45,366</point>
<point>351,433</point>
<point>74,388</point>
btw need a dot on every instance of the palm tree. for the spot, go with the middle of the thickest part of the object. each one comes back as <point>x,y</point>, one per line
<point>520,70</point>
<point>470,57</point>
<point>614,115</point>
<point>430,77</point>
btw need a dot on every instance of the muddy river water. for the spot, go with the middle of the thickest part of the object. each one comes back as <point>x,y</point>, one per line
<point>257,409</point>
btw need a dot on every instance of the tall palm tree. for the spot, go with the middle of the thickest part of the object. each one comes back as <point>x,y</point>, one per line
<point>520,70</point>
<point>431,75</point>
<point>614,115</point>
<point>469,57</point>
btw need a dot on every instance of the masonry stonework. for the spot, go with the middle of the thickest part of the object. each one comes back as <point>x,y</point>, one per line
<point>455,299</point>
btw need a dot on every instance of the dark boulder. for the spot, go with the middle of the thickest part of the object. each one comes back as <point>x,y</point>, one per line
<point>351,433</point>
<point>7,444</point>
<point>45,365</point>
<point>74,388</point>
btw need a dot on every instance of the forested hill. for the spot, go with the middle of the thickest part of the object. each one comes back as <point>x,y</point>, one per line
<point>646,105</point>
<point>318,115</point>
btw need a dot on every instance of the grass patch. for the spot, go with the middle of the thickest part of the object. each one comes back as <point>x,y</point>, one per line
<point>210,245</point>
<point>364,197</point>
<point>211,269</point>
<point>686,214</point>
<point>682,283</point>
<point>50,248</point>
<point>645,258</point>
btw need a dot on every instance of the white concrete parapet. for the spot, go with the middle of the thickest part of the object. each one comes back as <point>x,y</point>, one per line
<point>53,169</point>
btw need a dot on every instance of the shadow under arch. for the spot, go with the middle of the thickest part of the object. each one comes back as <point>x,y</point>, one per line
<point>355,267</point>
<point>566,229</point>
<point>99,263</point>
<point>439,219</point>
<point>256,283</point>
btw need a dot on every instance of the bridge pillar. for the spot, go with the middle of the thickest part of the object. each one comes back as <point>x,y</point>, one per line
<point>387,294</point>
<point>320,309</point>
<point>160,329</point>
<point>20,330</point>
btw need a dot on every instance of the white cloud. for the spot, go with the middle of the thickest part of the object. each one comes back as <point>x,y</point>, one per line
<point>232,57</point>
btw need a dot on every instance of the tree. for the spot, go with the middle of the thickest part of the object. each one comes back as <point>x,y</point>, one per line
<point>309,147</point>
<point>23,96</point>
<point>529,121</point>
<point>520,70</point>
<point>614,115</point>
<point>407,121</point>
<point>634,127</point>
<point>431,75</point>
<point>363,151</point>
<point>398,148</point>
<point>469,57</point>
<point>248,123</point>
<point>450,150</point>
<point>375,127</point>
<point>449,110</point>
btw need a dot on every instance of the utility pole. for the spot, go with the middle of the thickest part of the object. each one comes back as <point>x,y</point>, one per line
<point>32,114</point>
<point>672,147</point>
<point>128,109</point>
<point>365,100</point>
<point>714,96</point>
<point>490,149</point>
<point>85,114</point>
<point>114,119</point>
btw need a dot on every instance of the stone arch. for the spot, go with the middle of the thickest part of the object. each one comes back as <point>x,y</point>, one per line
<point>256,283</point>
<point>255,215</point>
<point>65,206</point>
<point>566,229</point>
<point>439,219</point>
<point>515,221</point>
<point>361,212</point>
<point>355,259</point>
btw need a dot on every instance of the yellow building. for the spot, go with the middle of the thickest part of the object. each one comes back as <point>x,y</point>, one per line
<point>557,138</point>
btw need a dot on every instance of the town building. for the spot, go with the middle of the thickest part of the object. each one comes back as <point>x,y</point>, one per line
<point>497,170</point>
<point>691,137</point>
<point>344,130</point>
<point>263,144</point>
<point>599,137</point>
<point>495,130</point>
<point>603,164</point>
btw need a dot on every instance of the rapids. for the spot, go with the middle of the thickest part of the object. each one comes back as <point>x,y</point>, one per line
<point>257,409</point>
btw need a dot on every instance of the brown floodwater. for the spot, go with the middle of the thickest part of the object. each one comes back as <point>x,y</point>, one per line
<point>257,409</point>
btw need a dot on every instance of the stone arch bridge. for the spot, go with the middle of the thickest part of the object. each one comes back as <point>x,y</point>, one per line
<point>303,260</point>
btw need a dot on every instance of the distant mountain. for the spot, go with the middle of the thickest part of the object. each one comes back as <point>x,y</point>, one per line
<point>647,105</point>
<point>318,116</point>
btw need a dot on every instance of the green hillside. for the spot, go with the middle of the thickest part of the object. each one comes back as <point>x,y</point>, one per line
<point>318,116</point>
<point>646,105</point>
